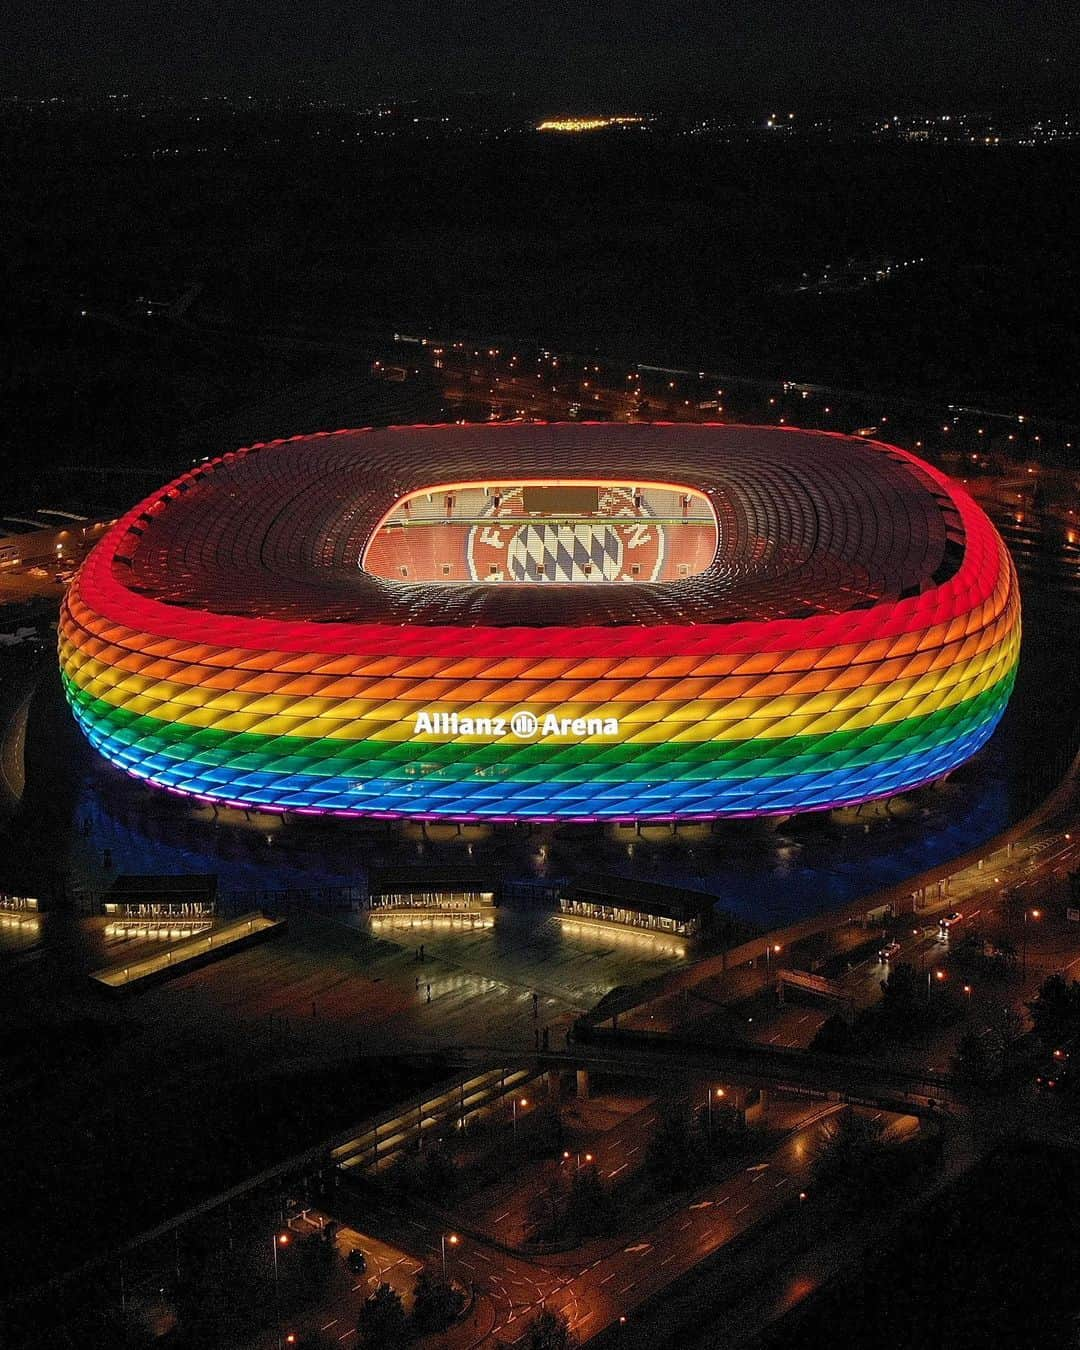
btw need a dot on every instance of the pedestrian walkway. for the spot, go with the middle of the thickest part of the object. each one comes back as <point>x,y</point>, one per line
<point>184,956</point>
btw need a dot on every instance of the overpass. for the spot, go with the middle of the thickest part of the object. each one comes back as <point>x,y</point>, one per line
<point>927,892</point>
<point>385,1139</point>
<point>859,1082</point>
<point>817,986</point>
<point>489,1085</point>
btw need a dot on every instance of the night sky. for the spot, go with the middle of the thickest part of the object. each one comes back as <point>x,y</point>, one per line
<point>588,53</point>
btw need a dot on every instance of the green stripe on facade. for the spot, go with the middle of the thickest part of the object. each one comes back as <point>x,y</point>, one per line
<point>245,753</point>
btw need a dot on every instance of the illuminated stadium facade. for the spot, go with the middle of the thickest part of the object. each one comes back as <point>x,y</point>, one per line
<point>546,622</point>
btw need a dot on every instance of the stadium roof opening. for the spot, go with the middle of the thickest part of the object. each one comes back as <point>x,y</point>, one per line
<point>547,531</point>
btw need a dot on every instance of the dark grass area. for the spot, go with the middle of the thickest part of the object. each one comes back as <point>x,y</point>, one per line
<point>991,1263</point>
<point>663,247</point>
<point>109,1160</point>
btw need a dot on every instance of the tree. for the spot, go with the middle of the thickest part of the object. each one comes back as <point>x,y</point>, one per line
<point>971,1063</point>
<point>438,1172</point>
<point>1055,1011</point>
<point>225,1305</point>
<point>985,957</point>
<point>549,1331</point>
<point>305,1270</point>
<point>544,1135</point>
<point>543,1210</point>
<point>1006,1029</point>
<point>899,993</point>
<point>588,1206</point>
<point>719,1130</point>
<point>431,1171</point>
<point>675,1155</point>
<point>437,1302</point>
<point>835,1037</point>
<point>382,1325</point>
<point>902,1013</point>
<point>850,1157</point>
<point>967,950</point>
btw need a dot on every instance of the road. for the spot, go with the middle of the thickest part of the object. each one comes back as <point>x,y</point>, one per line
<point>1028,877</point>
<point>386,1264</point>
<point>504,1211</point>
<point>595,1285</point>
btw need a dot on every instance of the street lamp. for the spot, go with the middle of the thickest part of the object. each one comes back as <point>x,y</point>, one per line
<point>940,975</point>
<point>1034,914</point>
<point>720,1095</point>
<point>514,1103</point>
<point>577,1159</point>
<point>278,1240</point>
<point>453,1240</point>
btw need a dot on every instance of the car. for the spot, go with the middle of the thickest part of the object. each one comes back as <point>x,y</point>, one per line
<point>1051,1079</point>
<point>949,919</point>
<point>890,950</point>
<point>1054,1073</point>
<point>356,1261</point>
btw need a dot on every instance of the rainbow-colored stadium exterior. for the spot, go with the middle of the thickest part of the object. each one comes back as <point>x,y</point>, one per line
<point>856,634</point>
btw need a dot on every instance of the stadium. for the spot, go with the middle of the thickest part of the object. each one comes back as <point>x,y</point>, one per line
<point>568,622</point>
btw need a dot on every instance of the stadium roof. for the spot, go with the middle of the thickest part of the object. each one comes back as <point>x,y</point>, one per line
<point>809,523</point>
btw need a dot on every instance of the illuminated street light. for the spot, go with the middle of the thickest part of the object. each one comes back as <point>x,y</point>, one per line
<point>1034,914</point>
<point>719,1093</point>
<point>278,1240</point>
<point>453,1240</point>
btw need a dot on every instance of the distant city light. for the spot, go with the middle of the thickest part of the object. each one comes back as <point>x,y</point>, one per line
<point>576,124</point>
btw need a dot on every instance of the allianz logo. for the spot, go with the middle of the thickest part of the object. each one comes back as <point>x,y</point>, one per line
<point>523,725</point>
